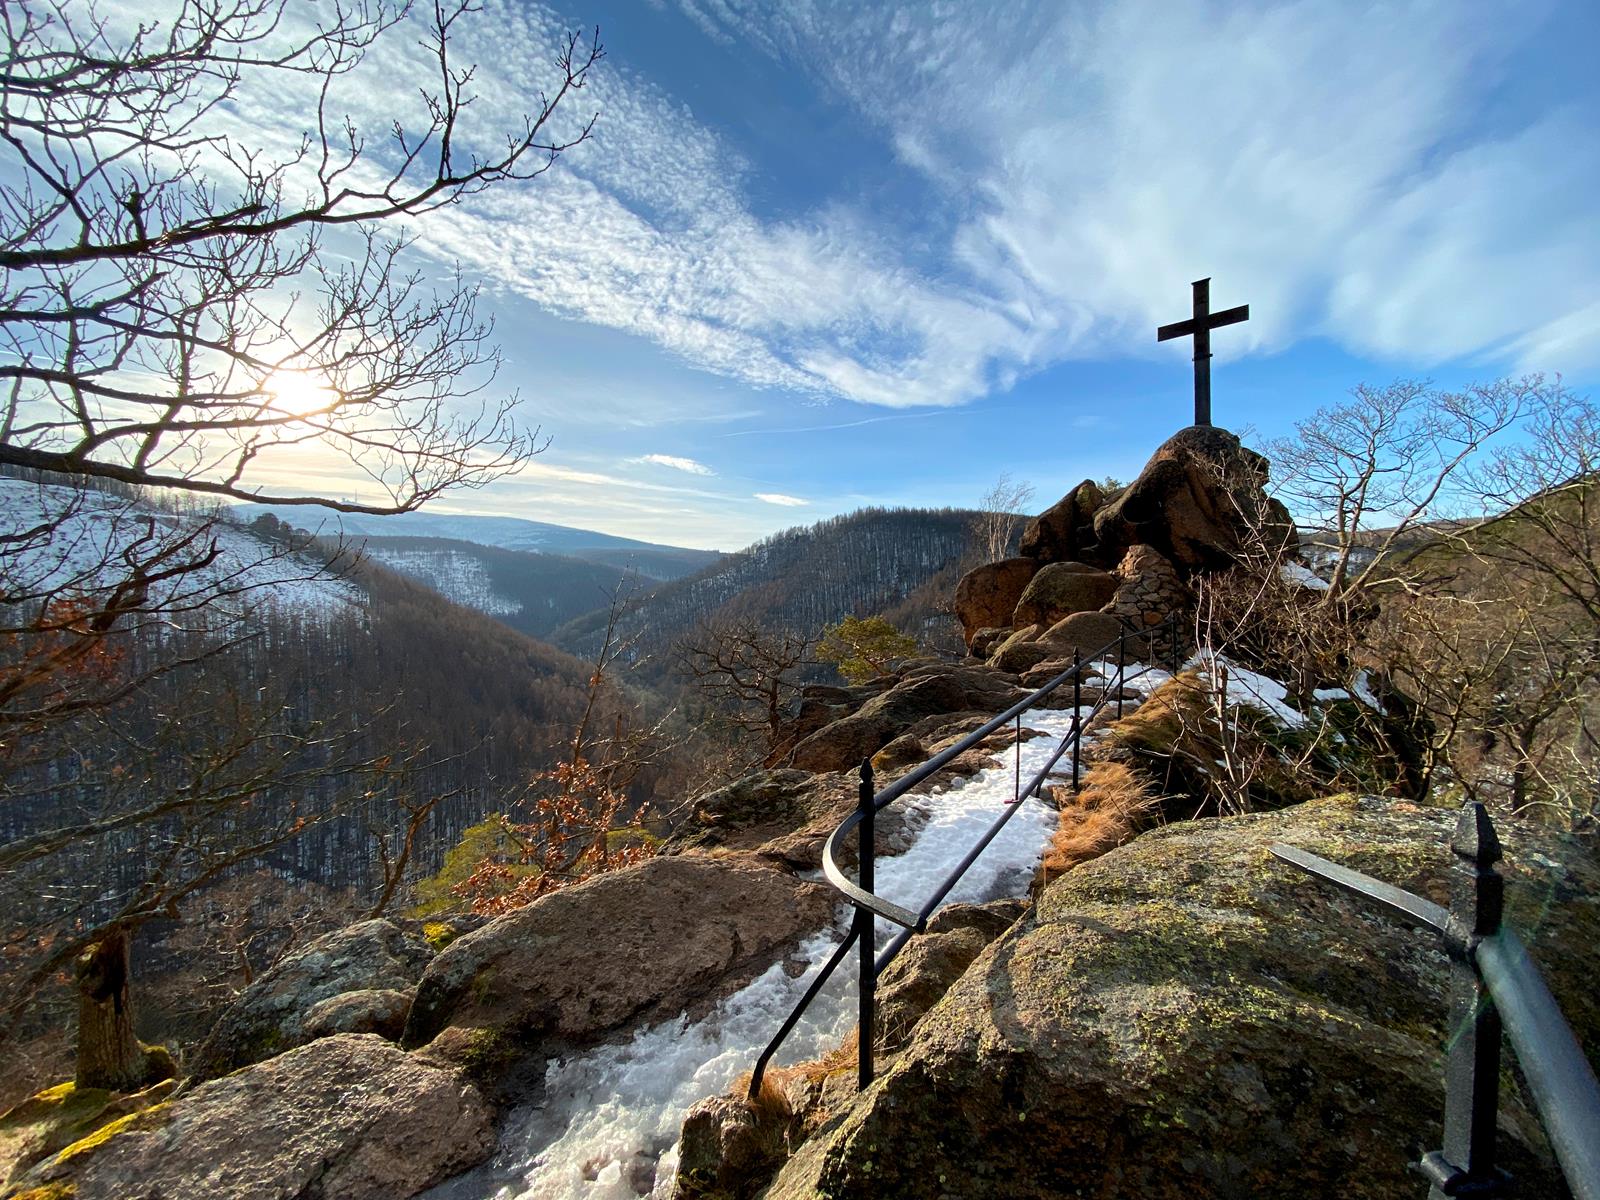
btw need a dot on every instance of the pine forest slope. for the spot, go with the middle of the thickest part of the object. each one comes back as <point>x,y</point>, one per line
<point>873,561</point>
<point>532,593</point>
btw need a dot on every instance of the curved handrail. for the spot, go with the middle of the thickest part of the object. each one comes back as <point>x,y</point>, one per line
<point>868,904</point>
<point>916,922</point>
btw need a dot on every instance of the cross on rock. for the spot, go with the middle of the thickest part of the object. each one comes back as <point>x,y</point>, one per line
<point>1201,325</point>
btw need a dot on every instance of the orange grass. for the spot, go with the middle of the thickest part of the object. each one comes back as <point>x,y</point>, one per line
<point>1112,807</point>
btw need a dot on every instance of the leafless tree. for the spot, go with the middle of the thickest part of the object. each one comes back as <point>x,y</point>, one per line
<point>995,525</point>
<point>167,302</point>
<point>1368,475</point>
<point>188,305</point>
<point>748,674</point>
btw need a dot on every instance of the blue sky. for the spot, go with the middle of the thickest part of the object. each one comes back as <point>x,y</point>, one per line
<point>821,255</point>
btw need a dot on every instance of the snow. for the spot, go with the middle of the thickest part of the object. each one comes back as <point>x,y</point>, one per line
<point>607,1125</point>
<point>1293,572</point>
<point>457,576</point>
<point>1359,689</point>
<point>85,533</point>
<point>1362,687</point>
<point>1253,689</point>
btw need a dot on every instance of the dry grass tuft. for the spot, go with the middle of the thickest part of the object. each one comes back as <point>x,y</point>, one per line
<point>1113,806</point>
<point>772,1102</point>
<point>779,1084</point>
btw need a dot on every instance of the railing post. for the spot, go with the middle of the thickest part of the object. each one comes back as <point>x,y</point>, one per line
<point>1122,665</point>
<point>1016,783</point>
<point>865,932</point>
<point>1465,1167</point>
<point>1077,714</point>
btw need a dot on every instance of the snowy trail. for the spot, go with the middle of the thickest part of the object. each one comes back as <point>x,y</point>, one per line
<point>608,1125</point>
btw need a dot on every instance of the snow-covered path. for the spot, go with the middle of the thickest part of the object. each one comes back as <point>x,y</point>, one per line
<point>608,1125</point>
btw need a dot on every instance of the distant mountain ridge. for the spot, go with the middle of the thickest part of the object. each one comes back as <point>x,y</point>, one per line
<point>900,562</point>
<point>507,533</point>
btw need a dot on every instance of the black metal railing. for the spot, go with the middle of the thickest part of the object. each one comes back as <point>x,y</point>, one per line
<point>868,907</point>
<point>1494,987</point>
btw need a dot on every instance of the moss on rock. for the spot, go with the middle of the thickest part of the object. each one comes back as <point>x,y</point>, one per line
<point>1188,1016</point>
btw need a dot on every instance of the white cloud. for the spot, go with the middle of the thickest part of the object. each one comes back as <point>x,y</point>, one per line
<point>780,498</point>
<point>1340,172</point>
<point>688,465</point>
<point>1354,175</point>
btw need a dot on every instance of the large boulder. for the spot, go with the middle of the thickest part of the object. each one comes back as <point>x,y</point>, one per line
<point>987,595</point>
<point>269,1016</point>
<point>1086,633</point>
<point>349,1117</point>
<point>1064,531</point>
<point>1188,1016</point>
<point>930,692</point>
<point>1020,652</point>
<point>1061,589</point>
<point>625,947</point>
<point>1197,501</point>
<point>757,807</point>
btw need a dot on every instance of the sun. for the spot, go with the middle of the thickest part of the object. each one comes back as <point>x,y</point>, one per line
<point>298,393</point>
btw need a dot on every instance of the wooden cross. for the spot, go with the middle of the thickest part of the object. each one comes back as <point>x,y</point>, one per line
<point>1201,325</point>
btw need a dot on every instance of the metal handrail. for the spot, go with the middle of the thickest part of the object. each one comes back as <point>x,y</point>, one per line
<point>1494,985</point>
<point>868,905</point>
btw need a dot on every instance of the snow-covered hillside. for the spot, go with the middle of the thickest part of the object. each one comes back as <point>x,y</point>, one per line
<point>456,575</point>
<point>60,542</point>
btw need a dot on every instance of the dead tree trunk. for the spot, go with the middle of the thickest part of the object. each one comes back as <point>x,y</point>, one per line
<point>109,1053</point>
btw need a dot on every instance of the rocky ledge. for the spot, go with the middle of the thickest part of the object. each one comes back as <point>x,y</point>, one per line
<point>1189,1017</point>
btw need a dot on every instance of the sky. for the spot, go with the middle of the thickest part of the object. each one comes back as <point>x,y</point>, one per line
<point>823,255</point>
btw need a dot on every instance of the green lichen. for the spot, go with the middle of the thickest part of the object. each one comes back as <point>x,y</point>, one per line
<point>439,934</point>
<point>485,1053</point>
<point>60,1190</point>
<point>149,1118</point>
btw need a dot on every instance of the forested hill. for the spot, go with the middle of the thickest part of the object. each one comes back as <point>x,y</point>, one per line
<point>532,593</point>
<point>876,560</point>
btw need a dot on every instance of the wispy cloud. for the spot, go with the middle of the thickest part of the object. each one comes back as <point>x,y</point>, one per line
<point>1073,167</point>
<point>916,416</point>
<point>688,465</point>
<point>780,499</point>
<point>1348,178</point>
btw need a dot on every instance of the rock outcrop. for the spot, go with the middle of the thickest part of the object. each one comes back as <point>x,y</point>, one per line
<point>920,694</point>
<point>270,1016</point>
<point>1196,501</point>
<point>1065,530</point>
<point>626,947</point>
<point>1187,1016</point>
<point>349,1117</point>
<point>987,595</point>
<point>1060,589</point>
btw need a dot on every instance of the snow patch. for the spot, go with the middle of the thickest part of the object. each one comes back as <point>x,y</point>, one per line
<point>1258,691</point>
<point>457,576</point>
<point>87,532</point>
<point>1293,572</point>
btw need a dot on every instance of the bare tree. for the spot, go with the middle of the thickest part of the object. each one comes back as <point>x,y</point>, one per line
<point>1367,475</point>
<point>748,674</point>
<point>995,526</point>
<point>1458,538</point>
<point>188,305</point>
<point>165,300</point>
